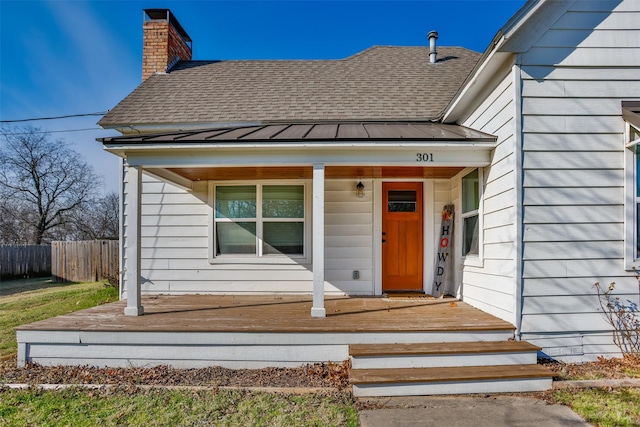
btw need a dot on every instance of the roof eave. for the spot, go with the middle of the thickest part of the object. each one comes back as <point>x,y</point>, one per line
<point>490,62</point>
<point>502,49</point>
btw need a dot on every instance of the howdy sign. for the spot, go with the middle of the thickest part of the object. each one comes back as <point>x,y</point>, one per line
<point>444,245</point>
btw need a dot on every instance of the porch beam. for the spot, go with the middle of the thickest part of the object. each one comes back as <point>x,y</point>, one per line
<point>132,272</point>
<point>318,310</point>
<point>454,156</point>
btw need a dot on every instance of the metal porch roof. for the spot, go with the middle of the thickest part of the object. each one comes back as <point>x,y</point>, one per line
<point>314,132</point>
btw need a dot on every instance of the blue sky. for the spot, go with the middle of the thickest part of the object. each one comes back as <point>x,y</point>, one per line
<point>74,57</point>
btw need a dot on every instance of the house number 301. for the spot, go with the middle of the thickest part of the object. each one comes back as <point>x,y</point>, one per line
<point>424,157</point>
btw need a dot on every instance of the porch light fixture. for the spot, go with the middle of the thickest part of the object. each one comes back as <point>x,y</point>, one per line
<point>360,190</point>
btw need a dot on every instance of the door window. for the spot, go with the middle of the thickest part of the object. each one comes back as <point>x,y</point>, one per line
<point>402,201</point>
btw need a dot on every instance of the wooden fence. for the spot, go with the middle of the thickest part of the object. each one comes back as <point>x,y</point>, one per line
<point>22,261</point>
<point>84,261</point>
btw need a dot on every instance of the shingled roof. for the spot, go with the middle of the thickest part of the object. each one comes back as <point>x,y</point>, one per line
<point>380,83</point>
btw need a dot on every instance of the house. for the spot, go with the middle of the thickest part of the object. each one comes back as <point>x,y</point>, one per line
<point>330,178</point>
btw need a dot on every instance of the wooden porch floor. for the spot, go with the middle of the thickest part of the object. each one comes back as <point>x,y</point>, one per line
<point>212,313</point>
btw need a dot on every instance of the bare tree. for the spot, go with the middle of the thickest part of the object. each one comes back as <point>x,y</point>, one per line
<point>46,179</point>
<point>100,220</point>
<point>14,217</point>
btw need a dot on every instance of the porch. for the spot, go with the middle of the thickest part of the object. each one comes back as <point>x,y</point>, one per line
<point>334,174</point>
<point>382,336</point>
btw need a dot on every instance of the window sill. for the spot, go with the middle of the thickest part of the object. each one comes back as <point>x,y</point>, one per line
<point>266,260</point>
<point>632,267</point>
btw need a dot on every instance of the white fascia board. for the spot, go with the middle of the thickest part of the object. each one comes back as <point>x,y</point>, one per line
<point>522,34</point>
<point>329,145</point>
<point>518,20</point>
<point>398,156</point>
<point>392,154</point>
<point>125,151</point>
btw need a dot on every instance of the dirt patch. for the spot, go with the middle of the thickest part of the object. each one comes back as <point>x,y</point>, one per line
<point>628,367</point>
<point>334,375</point>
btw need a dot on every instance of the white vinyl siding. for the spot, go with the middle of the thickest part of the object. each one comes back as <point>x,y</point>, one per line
<point>488,281</point>
<point>573,175</point>
<point>175,246</point>
<point>348,223</point>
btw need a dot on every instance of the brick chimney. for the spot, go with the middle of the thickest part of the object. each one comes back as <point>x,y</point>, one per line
<point>165,42</point>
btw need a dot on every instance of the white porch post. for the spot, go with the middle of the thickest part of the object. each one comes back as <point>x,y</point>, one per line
<point>132,273</point>
<point>318,309</point>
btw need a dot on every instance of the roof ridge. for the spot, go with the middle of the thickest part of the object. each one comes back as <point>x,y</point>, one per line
<point>350,57</point>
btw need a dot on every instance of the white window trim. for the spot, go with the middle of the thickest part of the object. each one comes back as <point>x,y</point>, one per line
<point>260,259</point>
<point>472,260</point>
<point>631,200</point>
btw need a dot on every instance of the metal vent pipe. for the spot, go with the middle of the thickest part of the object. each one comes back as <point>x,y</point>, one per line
<point>433,55</point>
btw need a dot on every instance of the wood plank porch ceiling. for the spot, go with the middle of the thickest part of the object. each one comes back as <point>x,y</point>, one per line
<point>306,172</point>
<point>217,313</point>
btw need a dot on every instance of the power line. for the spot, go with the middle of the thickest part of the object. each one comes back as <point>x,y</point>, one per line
<point>52,131</point>
<point>101,113</point>
<point>71,130</point>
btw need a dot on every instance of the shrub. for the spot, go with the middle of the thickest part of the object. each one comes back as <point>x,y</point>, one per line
<point>113,280</point>
<point>624,317</point>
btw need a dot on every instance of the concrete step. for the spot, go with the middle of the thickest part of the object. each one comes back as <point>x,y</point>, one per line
<point>450,380</point>
<point>433,355</point>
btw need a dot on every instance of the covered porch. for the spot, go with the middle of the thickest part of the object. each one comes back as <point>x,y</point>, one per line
<point>319,159</point>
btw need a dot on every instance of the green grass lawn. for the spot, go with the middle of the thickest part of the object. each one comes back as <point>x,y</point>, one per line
<point>10,287</point>
<point>80,407</point>
<point>603,407</point>
<point>26,301</point>
<point>41,300</point>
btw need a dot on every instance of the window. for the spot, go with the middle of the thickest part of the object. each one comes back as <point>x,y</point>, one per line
<point>635,135</point>
<point>259,220</point>
<point>470,205</point>
<point>631,117</point>
<point>633,143</point>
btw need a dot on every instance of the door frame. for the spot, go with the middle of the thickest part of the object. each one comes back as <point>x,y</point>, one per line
<point>428,230</point>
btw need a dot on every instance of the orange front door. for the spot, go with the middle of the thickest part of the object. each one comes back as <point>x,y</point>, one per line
<point>402,244</point>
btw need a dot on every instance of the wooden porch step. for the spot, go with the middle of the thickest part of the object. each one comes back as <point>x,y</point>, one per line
<point>439,355</point>
<point>450,380</point>
<point>463,373</point>
<point>371,350</point>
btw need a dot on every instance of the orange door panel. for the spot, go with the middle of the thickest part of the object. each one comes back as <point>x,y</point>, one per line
<point>402,236</point>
